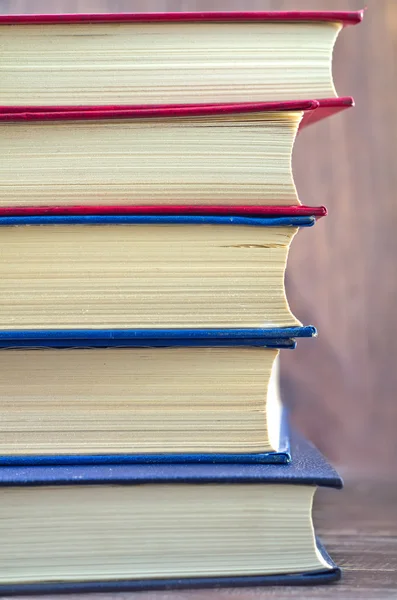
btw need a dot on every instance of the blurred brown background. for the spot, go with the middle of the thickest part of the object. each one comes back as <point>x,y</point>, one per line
<point>342,274</point>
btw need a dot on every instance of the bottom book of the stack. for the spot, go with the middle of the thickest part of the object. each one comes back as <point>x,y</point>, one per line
<point>154,526</point>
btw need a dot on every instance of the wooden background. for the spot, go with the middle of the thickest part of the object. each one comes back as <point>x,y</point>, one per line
<point>342,274</point>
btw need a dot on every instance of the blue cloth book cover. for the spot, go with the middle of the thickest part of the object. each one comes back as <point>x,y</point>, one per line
<point>272,337</point>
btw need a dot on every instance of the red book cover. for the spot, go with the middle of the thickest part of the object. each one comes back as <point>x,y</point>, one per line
<point>314,110</point>
<point>344,17</point>
<point>165,209</point>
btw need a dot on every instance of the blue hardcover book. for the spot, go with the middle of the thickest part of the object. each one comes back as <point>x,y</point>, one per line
<point>142,527</point>
<point>106,276</point>
<point>141,405</point>
<point>281,455</point>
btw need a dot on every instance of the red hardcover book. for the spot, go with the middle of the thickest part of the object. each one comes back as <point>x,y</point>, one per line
<point>145,59</point>
<point>307,107</point>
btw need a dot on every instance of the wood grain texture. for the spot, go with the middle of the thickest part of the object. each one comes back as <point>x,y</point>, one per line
<point>342,275</point>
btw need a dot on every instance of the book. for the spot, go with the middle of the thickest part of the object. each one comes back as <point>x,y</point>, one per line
<point>126,272</point>
<point>175,58</point>
<point>172,404</point>
<point>163,526</point>
<point>221,155</point>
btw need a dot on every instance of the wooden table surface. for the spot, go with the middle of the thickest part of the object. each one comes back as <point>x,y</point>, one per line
<point>358,526</point>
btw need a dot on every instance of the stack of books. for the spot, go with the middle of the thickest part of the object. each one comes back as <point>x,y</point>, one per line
<point>147,207</point>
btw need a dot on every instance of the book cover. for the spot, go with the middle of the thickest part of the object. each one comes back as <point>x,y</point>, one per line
<point>177,209</point>
<point>155,338</point>
<point>314,110</point>
<point>135,585</point>
<point>125,219</point>
<point>344,17</point>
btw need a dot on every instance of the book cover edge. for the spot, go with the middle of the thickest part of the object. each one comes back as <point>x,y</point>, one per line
<point>251,211</point>
<point>302,579</point>
<point>344,17</point>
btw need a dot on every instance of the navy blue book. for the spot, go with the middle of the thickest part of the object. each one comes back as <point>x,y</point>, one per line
<point>102,277</point>
<point>161,526</point>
